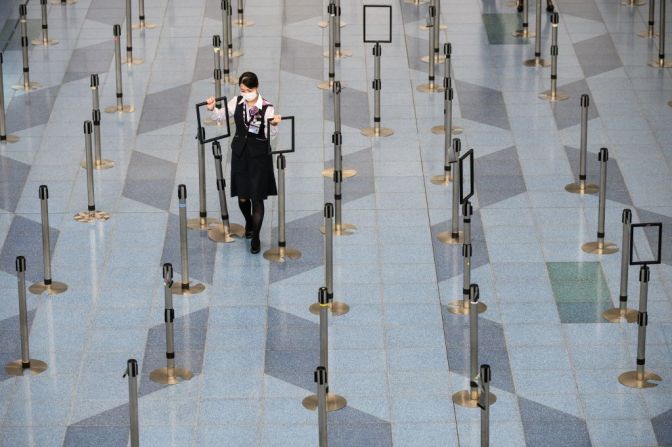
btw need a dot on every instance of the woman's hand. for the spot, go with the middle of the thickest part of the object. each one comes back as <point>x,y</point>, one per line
<point>211,103</point>
<point>276,120</point>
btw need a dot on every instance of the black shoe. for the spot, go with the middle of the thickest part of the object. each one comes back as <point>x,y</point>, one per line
<point>255,246</point>
<point>249,232</point>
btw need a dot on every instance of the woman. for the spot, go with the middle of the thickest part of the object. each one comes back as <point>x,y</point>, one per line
<point>252,175</point>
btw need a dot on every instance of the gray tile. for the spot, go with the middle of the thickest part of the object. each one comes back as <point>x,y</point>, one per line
<point>300,58</point>
<point>350,427</point>
<point>354,108</point>
<point>586,9</point>
<point>31,109</point>
<point>299,10</point>
<point>88,60</point>
<point>106,12</point>
<point>568,113</point>
<point>597,55</point>
<point>552,428</point>
<point>12,180</point>
<point>77,436</point>
<point>24,238</point>
<point>473,97</point>
<point>150,180</point>
<point>662,427</point>
<point>503,178</point>
<point>164,108</point>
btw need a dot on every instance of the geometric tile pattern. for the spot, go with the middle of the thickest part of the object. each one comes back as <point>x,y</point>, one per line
<point>607,60</point>
<point>24,238</point>
<point>580,290</point>
<point>14,175</point>
<point>472,98</point>
<point>150,180</point>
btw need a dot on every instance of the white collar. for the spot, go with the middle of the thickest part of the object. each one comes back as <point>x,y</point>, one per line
<point>258,104</point>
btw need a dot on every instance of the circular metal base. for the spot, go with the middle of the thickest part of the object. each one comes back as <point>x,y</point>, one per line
<point>91,216</point>
<point>337,308</point>
<point>99,164</point>
<point>243,23</point>
<point>647,34</point>
<point>201,223</point>
<point>463,399</point>
<point>16,368</point>
<point>346,173</point>
<point>31,86</point>
<point>41,42</point>
<point>216,233</point>
<point>657,63</point>
<point>457,307</point>
<point>235,53</point>
<point>441,130</point>
<point>339,54</point>
<point>325,24</point>
<point>430,88</point>
<point>123,109</point>
<point>145,25</point>
<point>173,376</point>
<point>194,289</point>
<point>334,402</point>
<point>373,132</point>
<point>549,96</point>
<point>425,27</point>
<point>55,288</point>
<point>67,2</point>
<point>633,3</point>
<point>133,61</point>
<point>281,254</point>
<point>616,315</point>
<point>537,63</point>
<point>593,248</point>
<point>631,379</point>
<point>344,229</point>
<point>523,33</point>
<point>10,139</point>
<point>437,59</point>
<point>447,238</point>
<point>588,188</point>
<point>442,180</point>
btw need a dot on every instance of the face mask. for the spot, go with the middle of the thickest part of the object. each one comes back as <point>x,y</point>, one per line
<point>249,96</point>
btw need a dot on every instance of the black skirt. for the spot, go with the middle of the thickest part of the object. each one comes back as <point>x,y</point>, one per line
<point>252,177</point>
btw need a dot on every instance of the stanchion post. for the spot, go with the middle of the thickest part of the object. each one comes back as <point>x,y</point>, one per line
<point>622,312</point>
<point>227,77</point>
<point>484,404</point>
<point>282,252</point>
<point>650,32</point>
<point>454,236</point>
<point>184,287</point>
<point>448,96</point>
<point>525,32</point>
<point>225,231</point>
<point>322,390</point>
<point>202,222</point>
<point>44,40</point>
<point>142,24</point>
<point>553,95</point>
<point>431,86</point>
<point>331,51</point>
<point>228,29</point>
<point>217,74</point>
<point>339,52</point>
<point>537,61</point>
<point>4,138</point>
<point>133,413</point>
<point>582,187</point>
<point>660,62</point>
<point>600,247</point>
<point>439,26</point>
<point>27,84</point>
<point>120,107</point>
<point>329,172</point>
<point>130,60</point>
<point>91,214</point>
<point>170,375</point>
<point>334,402</point>
<point>242,22</point>
<point>48,284</point>
<point>25,363</point>
<point>471,397</point>
<point>98,161</point>
<point>336,307</point>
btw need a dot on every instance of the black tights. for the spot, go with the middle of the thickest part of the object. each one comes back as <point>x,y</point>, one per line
<point>253,211</point>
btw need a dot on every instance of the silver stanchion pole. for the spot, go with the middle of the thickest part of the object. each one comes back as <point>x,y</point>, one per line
<point>170,375</point>
<point>281,253</point>
<point>600,247</point>
<point>553,94</point>
<point>98,162</point>
<point>640,378</point>
<point>525,32</point>
<point>325,23</point>
<point>217,76</point>
<point>622,312</point>
<point>63,2</point>
<point>242,22</point>
<point>130,60</point>
<point>424,27</point>
<point>650,33</point>
<point>132,373</point>
<point>44,40</point>
<point>27,85</point>
<point>447,99</point>
<point>228,29</point>
<point>334,401</point>
<point>120,107</point>
<point>582,187</point>
<point>462,307</point>
<point>660,62</point>
<point>340,228</point>
<point>329,172</point>
<point>331,52</point>
<point>202,222</point>
<point>434,29</point>
<point>224,231</point>
<point>25,363</point>
<point>337,307</point>
<point>485,377</point>
<point>185,287</point>
<point>431,86</point>
<point>537,61</point>
<point>4,138</point>
<point>340,53</point>
<point>91,214</point>
<point>227,76</point>
<point>322,390</point>
<point>142,24</point>
<point>48,285</point>
<point>376,130</point>
<point>454,236</point>
<point>446,177</point>
<point>470,398</point>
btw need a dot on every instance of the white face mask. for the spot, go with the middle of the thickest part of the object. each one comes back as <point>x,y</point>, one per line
<point>249,96</point>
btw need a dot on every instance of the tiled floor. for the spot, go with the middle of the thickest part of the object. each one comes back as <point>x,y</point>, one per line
<point>399,355</point>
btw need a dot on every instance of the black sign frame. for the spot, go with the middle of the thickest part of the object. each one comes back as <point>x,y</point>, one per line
<point>200,105</point>
<point>388,7</point>
<point>293,139</point>
<point>659,225</point>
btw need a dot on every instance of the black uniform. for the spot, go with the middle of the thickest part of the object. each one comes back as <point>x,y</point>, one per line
<point>252,175</point>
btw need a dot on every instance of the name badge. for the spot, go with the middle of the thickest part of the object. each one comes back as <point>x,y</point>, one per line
<point>254,127</point>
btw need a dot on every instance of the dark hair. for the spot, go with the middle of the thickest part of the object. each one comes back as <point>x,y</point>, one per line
<point>249,80</point>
